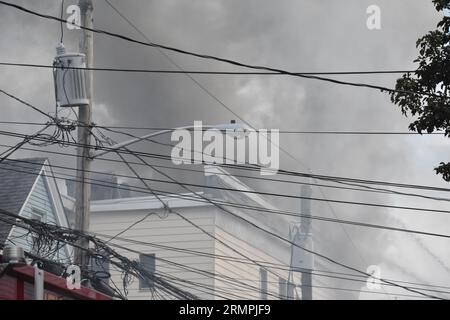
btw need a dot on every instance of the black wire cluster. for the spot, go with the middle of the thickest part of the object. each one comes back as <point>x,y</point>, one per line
<point>48,239</point>
<point>61,135</point>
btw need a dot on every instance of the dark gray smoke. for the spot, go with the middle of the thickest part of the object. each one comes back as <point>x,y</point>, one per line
<point>296,35</point>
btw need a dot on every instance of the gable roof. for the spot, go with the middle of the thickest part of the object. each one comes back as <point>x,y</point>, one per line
<point>219,177</point>
<point>17,178</point>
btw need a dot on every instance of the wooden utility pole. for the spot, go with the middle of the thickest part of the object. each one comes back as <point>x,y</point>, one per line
<point>83,188</point>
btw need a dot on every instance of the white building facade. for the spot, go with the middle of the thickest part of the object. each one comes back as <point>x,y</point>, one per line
<point>198,247</point>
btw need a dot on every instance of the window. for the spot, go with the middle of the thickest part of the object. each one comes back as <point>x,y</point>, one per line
<point>263,283</point>
<point>37,214</point>
<point>282,288</point>
<point>148,263</point>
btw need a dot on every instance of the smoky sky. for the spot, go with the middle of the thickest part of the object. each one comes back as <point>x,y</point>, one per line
<point>301,36</point>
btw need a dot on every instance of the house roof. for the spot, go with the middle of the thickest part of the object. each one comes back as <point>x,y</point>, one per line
<point>17,178</point>
<point>215,177</point>
<point>219,177</point>
<point>175,201</point>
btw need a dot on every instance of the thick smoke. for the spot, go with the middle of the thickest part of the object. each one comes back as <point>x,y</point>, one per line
<point>296,35</point>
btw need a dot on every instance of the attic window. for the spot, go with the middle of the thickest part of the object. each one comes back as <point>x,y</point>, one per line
<point>37,214</point>
<point>148,263</point>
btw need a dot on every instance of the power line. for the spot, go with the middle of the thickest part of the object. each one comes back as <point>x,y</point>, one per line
<point>15,222</point>
<point>342,225</point>
<point>349,133</point>
<point>261,192</point>
<point>317,272</point>
<point>361,188</point>
<point>205,129</point>
<point>275,235</point>
<point>266,193</point>
<point>222,104</point>
<point>252,167</point>
<point>198,72</point>
<point>97,182</point>
<point>165,276</point>
<point>227,160</point>
<point>231,111</point>
<point>339,182</point>
<point>329,178</point>
<point>214,275</point>
<point>214,58</point>
<point>166,207</point>
<point>178,214</point>
<point>246,167</point>
<point>26,104</point>
<point>240,284</point>
<point>69,236</point>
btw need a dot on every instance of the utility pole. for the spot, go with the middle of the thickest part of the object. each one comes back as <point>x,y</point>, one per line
<point>305,234</point>
<point>38,282</point>
<point>83,188</point>
<point>302,260</point>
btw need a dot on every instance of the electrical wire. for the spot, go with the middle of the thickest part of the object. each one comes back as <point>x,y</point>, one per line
<point>227,159</point>
<point>395,133</point>
<point>369,188</point>
<point>261,209</point>
<point>267,264</point>
<point>26,104</point>
<point>168,277</point>
<point>71,127</point>
<point>247,167</point>
<point>214,58</point>
<point>166,207</point>
<point>277,236</point>
<point>125,248</point>
<point>200,72</point>
<point>441,211</point>
<point>361,188</point>
<point>232,204</point>
<point>50,233</point>
<point>220,59</point>
<point>202,87</point>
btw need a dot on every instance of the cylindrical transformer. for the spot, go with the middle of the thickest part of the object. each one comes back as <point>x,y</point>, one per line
<point>70,79</point>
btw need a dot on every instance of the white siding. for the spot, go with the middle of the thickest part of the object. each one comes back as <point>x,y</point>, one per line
<point>171,231</point>
<point>241,278</point>
<point>40,200</point>
<point>210,276</point>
